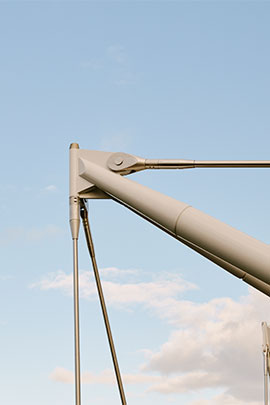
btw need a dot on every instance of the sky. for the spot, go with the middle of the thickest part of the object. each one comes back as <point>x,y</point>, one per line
<point>157,79</point>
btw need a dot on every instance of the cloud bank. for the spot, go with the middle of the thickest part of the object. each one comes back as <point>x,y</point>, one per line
<point>212,345</point>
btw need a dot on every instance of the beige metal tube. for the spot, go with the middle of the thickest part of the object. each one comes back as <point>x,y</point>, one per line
<point>76,323</point>
<point>185,222</point>
<point>228,244</point>
<point>247,278</point>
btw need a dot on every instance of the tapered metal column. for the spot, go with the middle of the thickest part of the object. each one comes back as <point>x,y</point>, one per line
<point>74,220</point>
<point>76,322</point>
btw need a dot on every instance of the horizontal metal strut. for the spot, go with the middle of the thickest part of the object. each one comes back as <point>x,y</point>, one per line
<point>185,164</point>
<point>124,163</point>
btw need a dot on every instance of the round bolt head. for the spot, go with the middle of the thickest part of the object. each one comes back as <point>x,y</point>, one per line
<point>118,161</point>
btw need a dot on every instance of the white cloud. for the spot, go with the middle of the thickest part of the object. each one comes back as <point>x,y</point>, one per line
<point>213,345</point>
<point>117,53</point>
<point>223,399</point>
<point>184,383</point>
<point>151,294</point>
<point>105,377</point>
<point>114,272</point>
<point>56,280</point>
<point>222,344</point>
<point>51,188</point>
<point>63,375</point>
<point>179,384</point>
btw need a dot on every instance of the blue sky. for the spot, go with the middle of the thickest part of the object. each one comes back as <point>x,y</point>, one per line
<point>160,80</point>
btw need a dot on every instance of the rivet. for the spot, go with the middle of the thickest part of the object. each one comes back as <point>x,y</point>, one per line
<point>118,161</point>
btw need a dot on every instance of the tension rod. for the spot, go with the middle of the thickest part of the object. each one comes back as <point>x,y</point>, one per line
<point>124,163</point>
<point>90,245</point>
<point>185,164</point>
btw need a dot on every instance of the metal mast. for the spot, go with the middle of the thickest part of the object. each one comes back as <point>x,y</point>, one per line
<point>98,175</point>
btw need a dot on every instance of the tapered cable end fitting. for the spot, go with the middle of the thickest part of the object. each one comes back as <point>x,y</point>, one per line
<point>74,221</point>
<point>74,200</point>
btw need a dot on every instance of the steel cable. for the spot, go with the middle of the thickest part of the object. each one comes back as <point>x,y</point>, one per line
<point>90,245</point>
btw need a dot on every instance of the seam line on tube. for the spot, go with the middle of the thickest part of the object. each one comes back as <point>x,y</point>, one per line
<point>179,216</point>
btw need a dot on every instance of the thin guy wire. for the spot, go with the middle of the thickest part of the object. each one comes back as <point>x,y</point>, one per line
<point>91,250</point>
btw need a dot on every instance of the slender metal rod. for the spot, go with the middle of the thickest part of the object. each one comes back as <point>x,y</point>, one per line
<point>232,163</point>
<point>188,164</point>
<point>76,322</point>
<point>265,378</point>
<point>91,250</point>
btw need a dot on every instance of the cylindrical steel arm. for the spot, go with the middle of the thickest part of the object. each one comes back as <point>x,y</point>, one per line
<point>185,222</point>
<point>247,278</point>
